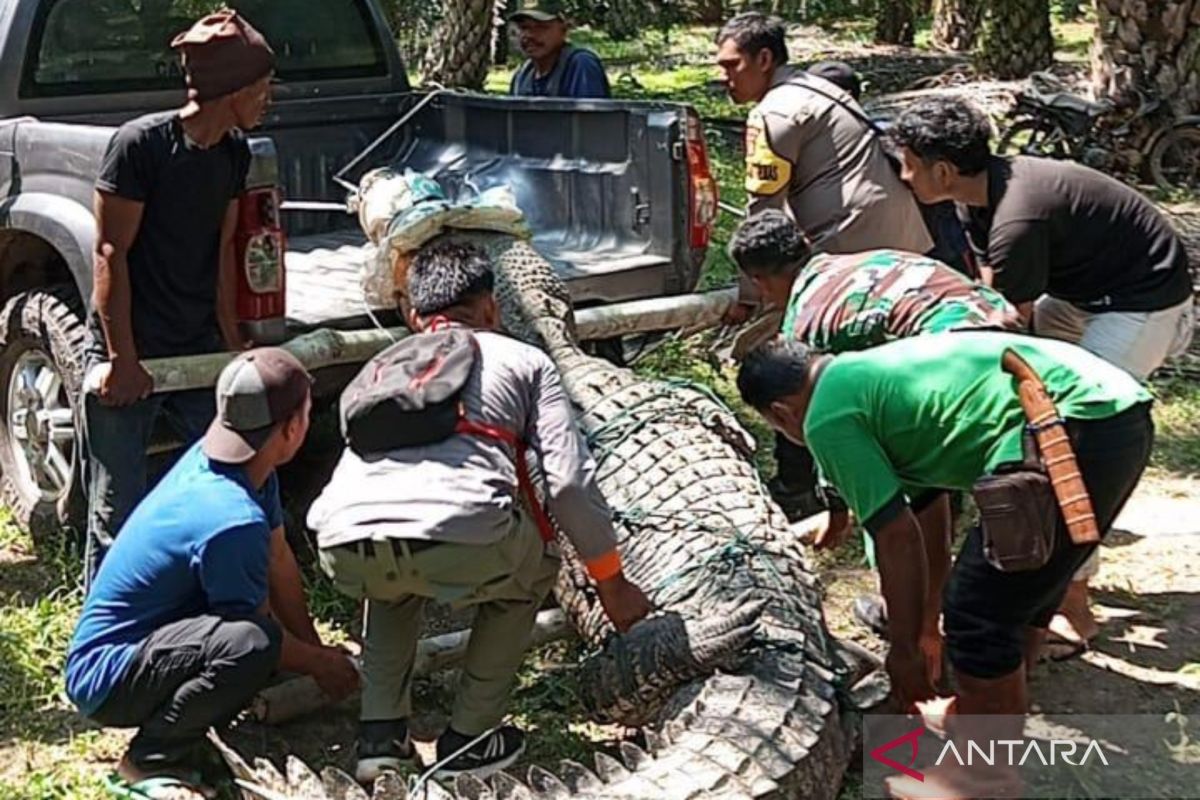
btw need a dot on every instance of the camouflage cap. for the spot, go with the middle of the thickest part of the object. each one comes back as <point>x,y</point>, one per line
<point>539,10</point>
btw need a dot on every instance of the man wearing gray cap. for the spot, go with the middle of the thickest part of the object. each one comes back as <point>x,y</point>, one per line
<point>200,600</point>
<point>166,206</point>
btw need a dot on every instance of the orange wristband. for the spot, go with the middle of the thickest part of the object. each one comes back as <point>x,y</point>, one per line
<point>604,567</point>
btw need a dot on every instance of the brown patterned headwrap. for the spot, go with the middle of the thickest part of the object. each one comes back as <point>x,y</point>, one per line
<point>223,53</point>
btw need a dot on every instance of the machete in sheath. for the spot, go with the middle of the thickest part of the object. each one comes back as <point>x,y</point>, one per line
<point>1050,432</point>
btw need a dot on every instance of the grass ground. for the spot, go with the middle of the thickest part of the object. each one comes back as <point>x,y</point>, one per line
<point>47,752</point>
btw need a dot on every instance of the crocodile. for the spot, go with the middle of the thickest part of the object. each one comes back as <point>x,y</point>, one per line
<point>734,679</point>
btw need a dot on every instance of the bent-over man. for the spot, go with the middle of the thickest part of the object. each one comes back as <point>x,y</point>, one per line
<point>200,598</point>
<point>938,412</point>
<point>1087,258</point>
<point>843,303</point>
<point>810,153</point>
<point>443,522</point>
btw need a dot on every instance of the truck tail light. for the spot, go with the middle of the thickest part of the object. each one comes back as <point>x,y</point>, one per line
<point>702,187</point>
<point>260,246</point>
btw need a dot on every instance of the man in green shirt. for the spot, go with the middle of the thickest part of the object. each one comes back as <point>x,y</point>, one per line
<point>840,303</point>
<point>938,412</point>
<point>837,303</point>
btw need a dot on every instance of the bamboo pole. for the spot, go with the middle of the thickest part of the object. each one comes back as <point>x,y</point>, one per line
<point>329,348</point>
<point>294,698</point>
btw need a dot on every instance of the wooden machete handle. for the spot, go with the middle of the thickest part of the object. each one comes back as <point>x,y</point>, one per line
<point>1055,447</point>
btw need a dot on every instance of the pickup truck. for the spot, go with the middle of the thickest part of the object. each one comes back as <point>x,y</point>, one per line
<point>618,194</point>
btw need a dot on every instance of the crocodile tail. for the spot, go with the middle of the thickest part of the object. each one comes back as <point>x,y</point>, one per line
<point>766,733</point>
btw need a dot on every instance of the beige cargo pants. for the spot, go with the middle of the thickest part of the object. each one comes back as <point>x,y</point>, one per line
<point>506,581</point>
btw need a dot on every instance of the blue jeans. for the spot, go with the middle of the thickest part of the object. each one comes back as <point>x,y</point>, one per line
<point>115,468</point>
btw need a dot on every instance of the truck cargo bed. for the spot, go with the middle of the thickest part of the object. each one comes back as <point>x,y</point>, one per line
<point>324,288</point>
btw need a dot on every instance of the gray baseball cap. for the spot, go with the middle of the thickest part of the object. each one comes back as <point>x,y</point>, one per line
<point>256,391</point>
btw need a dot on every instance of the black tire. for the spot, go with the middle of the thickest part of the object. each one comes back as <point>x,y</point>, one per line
<point>1174,161</point>
<point>1031,137</point>
<point>42,332</point>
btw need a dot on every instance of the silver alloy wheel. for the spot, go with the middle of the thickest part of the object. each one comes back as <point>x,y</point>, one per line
<point>42,427</point>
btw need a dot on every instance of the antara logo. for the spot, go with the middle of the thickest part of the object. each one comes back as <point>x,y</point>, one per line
<point>909,738</point>
<point>1006,752</point>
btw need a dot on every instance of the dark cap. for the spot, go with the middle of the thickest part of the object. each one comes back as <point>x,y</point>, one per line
<point>256,391</point>
<point>840,74</point>
<point>539,10</point>
<point>223,53</point>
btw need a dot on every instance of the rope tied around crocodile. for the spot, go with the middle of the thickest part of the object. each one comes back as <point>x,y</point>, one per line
<point>737,549</point>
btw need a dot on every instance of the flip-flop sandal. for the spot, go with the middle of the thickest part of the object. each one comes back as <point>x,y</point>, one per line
<point>156,788</point>
<point>1058,649</point>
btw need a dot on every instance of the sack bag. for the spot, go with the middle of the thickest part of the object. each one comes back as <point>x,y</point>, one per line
<point>1018,519</point>
<point>410,394</point>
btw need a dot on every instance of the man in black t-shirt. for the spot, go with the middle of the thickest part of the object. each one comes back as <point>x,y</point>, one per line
<point>1101,263</point>
<point>1084,257</point>
<point>165,276</point>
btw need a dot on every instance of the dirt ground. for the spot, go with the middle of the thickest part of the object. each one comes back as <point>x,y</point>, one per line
<point>1147,656</point>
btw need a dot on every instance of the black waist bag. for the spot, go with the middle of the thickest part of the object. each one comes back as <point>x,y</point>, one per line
<point>410,394</point>
<point>1018,515</point>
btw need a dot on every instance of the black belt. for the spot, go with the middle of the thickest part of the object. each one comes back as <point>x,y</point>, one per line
<point>366,547</point>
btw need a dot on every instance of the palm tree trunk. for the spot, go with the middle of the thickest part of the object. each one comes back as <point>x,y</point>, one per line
<point>955,24</point>
<point>1150,46</point>
<point>1015,39</point>
<point>458,51</point>
<point>895,22</point>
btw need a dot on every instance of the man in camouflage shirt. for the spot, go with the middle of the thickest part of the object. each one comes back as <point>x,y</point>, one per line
<point>839,303</point>
<point>850,302</point>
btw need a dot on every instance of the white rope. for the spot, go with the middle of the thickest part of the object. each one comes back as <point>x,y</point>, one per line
<point>417,784</point>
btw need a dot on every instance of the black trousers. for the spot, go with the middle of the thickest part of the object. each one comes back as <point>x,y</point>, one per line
<point>986,611</point>
<point>187,677</point>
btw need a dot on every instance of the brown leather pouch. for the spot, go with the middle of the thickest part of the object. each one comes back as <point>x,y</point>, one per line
<point>1018,515</point>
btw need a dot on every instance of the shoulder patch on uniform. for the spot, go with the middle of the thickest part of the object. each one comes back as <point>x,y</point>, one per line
<point>767,172</point>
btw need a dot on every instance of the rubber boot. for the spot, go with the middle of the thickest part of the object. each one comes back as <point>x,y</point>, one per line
<point>1005,697</point>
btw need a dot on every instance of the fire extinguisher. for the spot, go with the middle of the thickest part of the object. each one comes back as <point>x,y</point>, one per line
<point>260,246</point>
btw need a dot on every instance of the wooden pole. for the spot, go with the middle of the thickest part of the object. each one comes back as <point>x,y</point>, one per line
<point>328,348</point>
<point>293,698</point>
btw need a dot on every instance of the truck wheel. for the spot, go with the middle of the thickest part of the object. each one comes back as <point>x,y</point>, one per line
<point>42,343</point>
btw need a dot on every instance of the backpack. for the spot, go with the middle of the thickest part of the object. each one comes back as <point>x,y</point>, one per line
<point>411,395</point>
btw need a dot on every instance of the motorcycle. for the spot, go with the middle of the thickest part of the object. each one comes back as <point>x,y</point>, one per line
<point>1049,121</point>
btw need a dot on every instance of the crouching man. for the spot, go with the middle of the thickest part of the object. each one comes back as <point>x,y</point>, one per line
<point>939,412</point>
<point>200,599</point>
<point>443,521</point>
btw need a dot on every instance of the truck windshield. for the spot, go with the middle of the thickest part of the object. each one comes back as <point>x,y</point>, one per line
<point>99,46</point>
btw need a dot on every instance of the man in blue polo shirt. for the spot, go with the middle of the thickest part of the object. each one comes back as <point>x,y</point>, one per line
<point>554,68</point>
<point>200,600</point>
